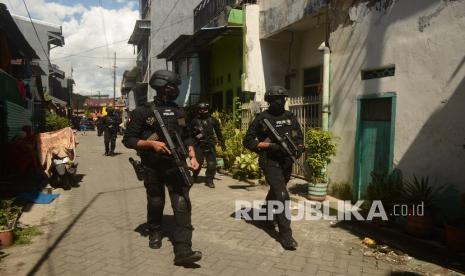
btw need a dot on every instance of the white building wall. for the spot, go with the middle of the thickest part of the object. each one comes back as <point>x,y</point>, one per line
<point>279,14</point>
<point>425,41</point>
<point>169,20</point>
<point>253,78</point>
<point>290,52</point>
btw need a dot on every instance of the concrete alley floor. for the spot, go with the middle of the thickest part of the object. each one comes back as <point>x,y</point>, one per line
<point>98,229</point>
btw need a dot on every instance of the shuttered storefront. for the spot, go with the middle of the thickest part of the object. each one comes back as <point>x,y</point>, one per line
<point>16,117</point>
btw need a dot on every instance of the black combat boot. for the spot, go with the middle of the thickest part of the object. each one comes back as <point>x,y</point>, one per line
<point>187,257</point>
<point>209,183</point>
<point>287,241</point>
<point>155,238</point>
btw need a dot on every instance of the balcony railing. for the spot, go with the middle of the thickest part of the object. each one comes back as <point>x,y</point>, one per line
<point>207,10</point>
<point>144,7</point>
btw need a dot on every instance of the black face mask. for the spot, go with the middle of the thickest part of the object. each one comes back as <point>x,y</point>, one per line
<point>203,115</point>
<point>168,93</point>
<point>277,106</point>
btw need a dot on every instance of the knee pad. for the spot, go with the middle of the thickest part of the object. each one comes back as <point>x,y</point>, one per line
<point>211,164</point>
<point>156,201</point>
<point>281,195</point>
<point>181,205</point>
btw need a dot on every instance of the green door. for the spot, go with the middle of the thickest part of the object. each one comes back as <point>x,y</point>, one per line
<point>374,141</point>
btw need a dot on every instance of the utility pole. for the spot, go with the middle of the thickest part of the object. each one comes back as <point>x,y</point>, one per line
<point>114,82</point>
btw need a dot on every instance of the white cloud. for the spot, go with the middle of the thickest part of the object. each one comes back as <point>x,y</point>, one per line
<point>83,29</point>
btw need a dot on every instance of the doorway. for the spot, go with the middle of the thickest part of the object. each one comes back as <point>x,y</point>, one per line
<point>374,139</point>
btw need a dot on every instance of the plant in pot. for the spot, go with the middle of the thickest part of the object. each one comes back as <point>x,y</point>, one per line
<point>386,188</point>
<point>319,148</point>
<point>246,166</point>
<point>8,215</point>
<point>455,231</point>
<point>421,197</point>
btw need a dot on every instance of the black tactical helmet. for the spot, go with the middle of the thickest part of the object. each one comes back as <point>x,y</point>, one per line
<point>203,105</point>
<point>162,77</point>
<point>274,91</point>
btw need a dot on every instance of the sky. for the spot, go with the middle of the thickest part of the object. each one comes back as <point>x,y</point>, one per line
<point>88,24</point>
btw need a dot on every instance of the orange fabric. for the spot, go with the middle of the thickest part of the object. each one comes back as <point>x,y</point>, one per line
<point>61,142</point>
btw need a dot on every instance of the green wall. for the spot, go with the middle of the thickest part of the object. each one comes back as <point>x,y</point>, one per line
<point>225,72</point>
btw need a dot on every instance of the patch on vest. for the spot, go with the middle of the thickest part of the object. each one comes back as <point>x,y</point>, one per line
<point>150,120</point>
<point>168,112</point>
<point>282,123</point>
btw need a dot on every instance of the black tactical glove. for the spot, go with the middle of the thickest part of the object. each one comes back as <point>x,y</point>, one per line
<point>273,147</point>
<point>223,145</point>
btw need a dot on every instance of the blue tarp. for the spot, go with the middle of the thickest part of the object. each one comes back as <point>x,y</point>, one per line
<point>38,197</point>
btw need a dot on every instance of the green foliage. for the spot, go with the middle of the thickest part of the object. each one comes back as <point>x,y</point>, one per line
<point>320,147</point>
<point>54,122</point>
<point>8,214</point>
<point>235,155</point>
<point>47,96</point>
<point>386,188</point>
<point>25,235</point>
<point>341,191</point>
<point>237,114</point>
<point>233,138</point>
<point>246,166</point>
<point>419,190</point>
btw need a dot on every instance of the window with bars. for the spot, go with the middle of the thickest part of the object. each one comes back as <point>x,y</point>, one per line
<point>312,81</point>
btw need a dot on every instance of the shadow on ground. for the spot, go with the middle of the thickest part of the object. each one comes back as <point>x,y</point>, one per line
<point>168,227</point>
<point>248,216</point>
<point>420,249</point>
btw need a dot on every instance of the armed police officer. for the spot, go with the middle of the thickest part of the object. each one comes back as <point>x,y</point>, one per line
<point>275,162</point>
<point>202,127</point>
<point>146,134</point>
<point>110,124</point>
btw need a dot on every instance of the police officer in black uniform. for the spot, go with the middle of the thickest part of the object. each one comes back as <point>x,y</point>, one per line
<point>143,134</point>
<point>110,125</point>
<point>275,163</point>
<point>202,127</point>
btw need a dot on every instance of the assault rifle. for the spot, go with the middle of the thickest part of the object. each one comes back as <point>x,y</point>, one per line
<point>180,164</point>
<point>286,144</point>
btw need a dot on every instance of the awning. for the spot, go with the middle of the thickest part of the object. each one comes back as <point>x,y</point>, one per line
<point>54,70</point>
<point>129,79</point>
<point>56,39</point>
<point>187,44</point>
<point>141,31</point>
<point>16,40</point>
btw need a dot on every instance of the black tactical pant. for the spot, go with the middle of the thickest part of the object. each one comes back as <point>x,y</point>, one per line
<point>208,153</point>
<point>277,174</point>
<point>155,180</point>
<point>109,138</point>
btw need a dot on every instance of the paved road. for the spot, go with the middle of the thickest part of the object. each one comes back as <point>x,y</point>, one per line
<point>98,229</point>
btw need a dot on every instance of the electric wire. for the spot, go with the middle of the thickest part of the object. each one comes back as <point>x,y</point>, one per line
<point>120,41</point>
<point>37,35</point>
